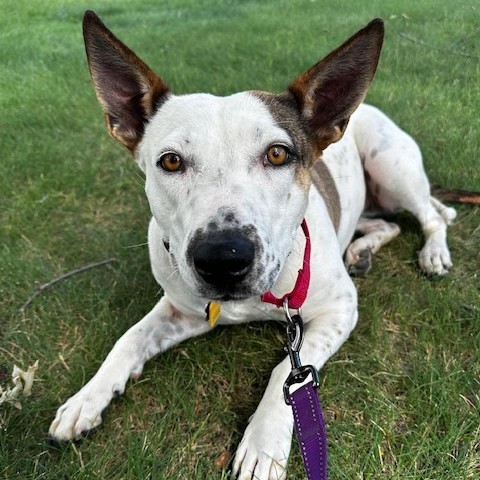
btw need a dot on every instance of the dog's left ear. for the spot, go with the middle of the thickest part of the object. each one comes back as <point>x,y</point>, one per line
<point>332,89</point>
<point>128,90</point>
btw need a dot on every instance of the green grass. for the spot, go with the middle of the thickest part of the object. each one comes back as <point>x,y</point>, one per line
<point>401,397</point>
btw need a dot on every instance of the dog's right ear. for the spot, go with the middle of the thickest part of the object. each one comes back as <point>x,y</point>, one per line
<point>128,90</point>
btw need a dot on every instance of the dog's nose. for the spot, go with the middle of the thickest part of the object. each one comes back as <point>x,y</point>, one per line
<point>224,258</point>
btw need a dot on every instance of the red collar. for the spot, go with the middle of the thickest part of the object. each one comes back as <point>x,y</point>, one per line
<point>299,293</point>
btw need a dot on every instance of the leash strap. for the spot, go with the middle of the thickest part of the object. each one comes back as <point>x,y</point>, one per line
<point>299,293</point>
<point>310,431</point>
<point>307,412</point>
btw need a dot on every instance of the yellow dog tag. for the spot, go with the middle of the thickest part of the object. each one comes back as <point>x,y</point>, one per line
<point>213,313</point>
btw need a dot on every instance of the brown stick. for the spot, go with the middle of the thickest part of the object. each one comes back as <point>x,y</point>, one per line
<point>49,284</point>
<point>455,195</point>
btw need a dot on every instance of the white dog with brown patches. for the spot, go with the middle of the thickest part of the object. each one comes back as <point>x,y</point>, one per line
<point>229,181</point>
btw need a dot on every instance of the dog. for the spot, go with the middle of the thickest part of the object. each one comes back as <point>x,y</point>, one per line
<point>229,181</point>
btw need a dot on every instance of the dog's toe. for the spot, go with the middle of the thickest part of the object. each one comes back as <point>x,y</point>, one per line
<point>54,443</point>
<point>363,265</point>
<point>434,259</point>
<point>263,451</point>
<point>79,417</point>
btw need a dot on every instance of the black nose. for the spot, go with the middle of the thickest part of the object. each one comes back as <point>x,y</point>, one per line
<point>223,258</point>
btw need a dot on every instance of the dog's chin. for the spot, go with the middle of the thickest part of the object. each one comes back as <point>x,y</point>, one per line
<point>228,293</point>
<point>230,297</point>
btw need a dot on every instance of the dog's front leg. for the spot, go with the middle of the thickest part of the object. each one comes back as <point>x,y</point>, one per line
<point>159,330</point>
<point>265,447</point>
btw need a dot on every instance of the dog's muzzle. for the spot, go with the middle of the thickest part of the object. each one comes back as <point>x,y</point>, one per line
<point>224,259</point>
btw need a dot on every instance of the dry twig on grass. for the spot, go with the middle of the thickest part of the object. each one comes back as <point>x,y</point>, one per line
<point>457,53</point>
<point>49,284</point>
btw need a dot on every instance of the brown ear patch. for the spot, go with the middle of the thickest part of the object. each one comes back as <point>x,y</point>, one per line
<point>330,91</point>
<point>128,90</point>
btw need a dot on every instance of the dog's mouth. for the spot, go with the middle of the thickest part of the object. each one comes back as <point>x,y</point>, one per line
<point>234,294</point>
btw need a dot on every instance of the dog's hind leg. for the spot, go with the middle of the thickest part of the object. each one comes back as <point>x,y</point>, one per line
<point>434,257</point>
<point>396,177</point>
<point>159,330</point>
<point>449,214</point>
<point>410,191</point>
<point>376,233</point>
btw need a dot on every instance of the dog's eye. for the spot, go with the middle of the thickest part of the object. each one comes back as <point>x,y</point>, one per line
<point>278,155</point>
<point>170,162</point>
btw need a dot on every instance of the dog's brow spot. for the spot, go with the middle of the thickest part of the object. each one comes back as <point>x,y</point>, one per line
<point>374,153</point>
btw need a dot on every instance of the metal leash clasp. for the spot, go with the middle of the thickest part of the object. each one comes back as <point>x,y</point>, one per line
<point>299,372</point>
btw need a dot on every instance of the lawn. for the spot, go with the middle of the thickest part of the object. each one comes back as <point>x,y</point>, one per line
<point>401,398</point>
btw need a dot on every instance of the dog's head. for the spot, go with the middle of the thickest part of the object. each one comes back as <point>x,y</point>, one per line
<point>228,178</point>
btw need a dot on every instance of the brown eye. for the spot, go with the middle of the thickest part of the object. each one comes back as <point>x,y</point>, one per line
<point>277,155</point>
<point>170,162</point>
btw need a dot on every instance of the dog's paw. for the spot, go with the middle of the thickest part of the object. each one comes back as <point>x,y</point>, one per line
<point>359,264</point>
<point>264,450</point>
<point>80,415</point>
<point>434,258</point>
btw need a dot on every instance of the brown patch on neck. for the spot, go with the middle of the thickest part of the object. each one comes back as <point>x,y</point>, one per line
<point>324,183</point>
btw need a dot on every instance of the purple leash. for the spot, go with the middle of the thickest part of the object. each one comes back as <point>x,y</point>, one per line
<point>310,431</point>
<point>307,412</point>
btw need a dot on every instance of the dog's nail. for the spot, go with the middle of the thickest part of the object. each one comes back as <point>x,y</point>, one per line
<point>88,433</point>
<point>54,443</point>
